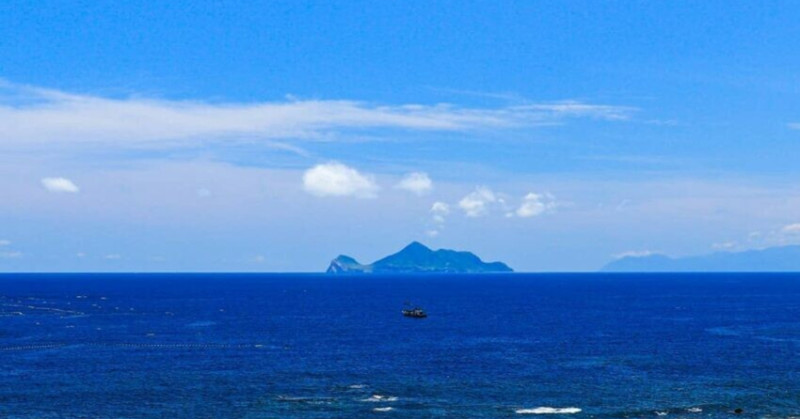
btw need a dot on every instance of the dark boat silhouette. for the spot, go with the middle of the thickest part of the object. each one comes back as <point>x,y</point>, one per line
<point>415,312</point>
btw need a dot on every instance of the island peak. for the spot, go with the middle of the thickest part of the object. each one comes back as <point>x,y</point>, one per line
<point>418,258</point>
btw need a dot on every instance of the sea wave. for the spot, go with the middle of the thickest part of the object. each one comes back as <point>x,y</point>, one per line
<point>724,331</point>
<point>306,400</point>
<point>383,409</point>
<point>375,398</point>
<point>202,323</point>
<point>544,410</point>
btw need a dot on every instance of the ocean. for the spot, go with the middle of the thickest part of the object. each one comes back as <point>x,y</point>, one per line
<point>317,346</point>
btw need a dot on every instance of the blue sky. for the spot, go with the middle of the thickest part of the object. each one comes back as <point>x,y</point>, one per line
<point>272,136</point>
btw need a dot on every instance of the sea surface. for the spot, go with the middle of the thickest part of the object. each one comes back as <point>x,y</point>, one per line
<point>316,346</point>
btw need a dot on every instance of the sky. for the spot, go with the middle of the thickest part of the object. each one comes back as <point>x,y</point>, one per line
<point>273,136</point>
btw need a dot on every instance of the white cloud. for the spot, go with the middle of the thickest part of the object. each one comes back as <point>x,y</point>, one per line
<point>729,245</point>
<point>482,200</point>
<point>533,204</point>
<point>794,125</point>
<point>5,242</point>
<point>113,256</point>
<point>417,182</point>
<point>31,114</point>
<point>439,210</point>
<point>791,229</point>
<point>635,254</point>
<point>10,255</point>
<point>59,184</point>
<point>578,109</point>
<point>476,203</point>
<point>336,179</point>
<point>203,193</point>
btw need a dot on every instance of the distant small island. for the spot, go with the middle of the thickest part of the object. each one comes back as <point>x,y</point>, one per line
<point>418,258</point>
<point>772,259</point>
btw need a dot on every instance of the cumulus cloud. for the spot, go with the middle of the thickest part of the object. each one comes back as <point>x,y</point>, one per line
<point>60,185</point>
<point>439,210</point>
<point>336,179</point>
<point>476,203</point>
<point>534,204</point>
<point>418,182</point>
<point>482,200</point>
<point>31,114</point>
<point>791,229</point>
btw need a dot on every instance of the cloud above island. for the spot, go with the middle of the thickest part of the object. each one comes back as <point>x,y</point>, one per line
<point>534,204</point>
<point>37,115</point>
<point>476,204</point>
<point>483,200</point>
<point>337,179</point>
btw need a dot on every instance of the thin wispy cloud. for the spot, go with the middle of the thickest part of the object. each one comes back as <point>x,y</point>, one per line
<point>791,229</point>
<point>36,115</point>
<point>725,246</point>
<point>635,254</point>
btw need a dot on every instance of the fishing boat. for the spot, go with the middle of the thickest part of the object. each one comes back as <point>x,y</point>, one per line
<point>415,312</point>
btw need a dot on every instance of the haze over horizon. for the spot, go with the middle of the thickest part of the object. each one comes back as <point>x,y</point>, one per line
<point>273,136</point>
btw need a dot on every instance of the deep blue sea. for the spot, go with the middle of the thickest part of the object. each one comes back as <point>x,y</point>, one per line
<point>316,346</point>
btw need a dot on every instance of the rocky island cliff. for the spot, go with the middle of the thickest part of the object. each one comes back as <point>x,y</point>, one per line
<point>418,258</point>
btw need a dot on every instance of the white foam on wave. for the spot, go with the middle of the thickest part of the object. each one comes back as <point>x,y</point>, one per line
<point>694,410</point>
<point>661,413</point>
<point>383,409</point>
<point>375,398</point>
<point>544,410</point>
<point>357,386</point>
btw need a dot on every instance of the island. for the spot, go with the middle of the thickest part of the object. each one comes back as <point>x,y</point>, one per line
<point>771,259</point>
<point>418,258</point>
